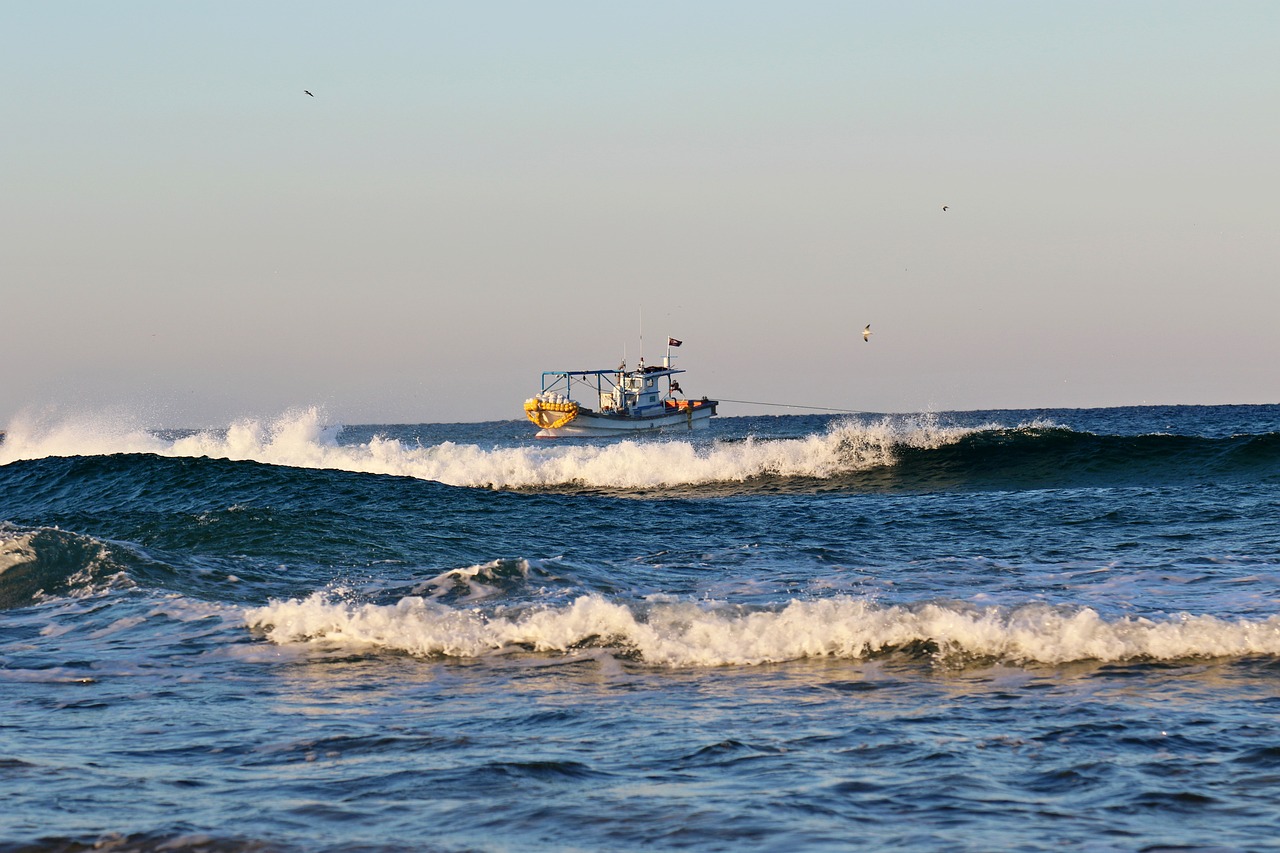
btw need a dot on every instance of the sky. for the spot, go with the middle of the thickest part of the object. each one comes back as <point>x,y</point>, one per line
<point>478,192</point>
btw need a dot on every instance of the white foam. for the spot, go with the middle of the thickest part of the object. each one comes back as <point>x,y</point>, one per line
<point>300,439</point>
<point>674,633</point>
<point>37,435</point>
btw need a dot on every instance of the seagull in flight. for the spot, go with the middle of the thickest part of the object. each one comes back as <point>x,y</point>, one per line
<point>944,207</point>
<point>305,92</point>
<point>866,333</point>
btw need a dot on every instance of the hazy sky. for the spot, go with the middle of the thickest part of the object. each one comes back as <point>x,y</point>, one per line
<point>481,191</point>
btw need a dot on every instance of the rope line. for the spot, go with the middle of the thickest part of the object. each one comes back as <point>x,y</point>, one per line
<point>790,406</point>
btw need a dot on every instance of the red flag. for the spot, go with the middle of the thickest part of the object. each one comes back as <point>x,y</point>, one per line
<point>672,342</point>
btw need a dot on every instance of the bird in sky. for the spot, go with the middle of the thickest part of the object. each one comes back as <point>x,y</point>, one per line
<point>305,92</point>
<point>866,333</point>
<point>944,207</point>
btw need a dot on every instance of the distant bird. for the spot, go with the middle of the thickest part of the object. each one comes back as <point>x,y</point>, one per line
<point>944,207</point>
<point>866,333</point>
<point>305,92</point>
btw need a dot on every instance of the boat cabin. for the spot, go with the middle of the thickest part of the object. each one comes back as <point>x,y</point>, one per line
<point>643,391</point>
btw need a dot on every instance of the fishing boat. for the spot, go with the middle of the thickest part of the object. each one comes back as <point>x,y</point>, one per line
<point>626,402</point>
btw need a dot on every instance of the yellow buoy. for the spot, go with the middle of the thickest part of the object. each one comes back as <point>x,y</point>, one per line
<point>548,415</point>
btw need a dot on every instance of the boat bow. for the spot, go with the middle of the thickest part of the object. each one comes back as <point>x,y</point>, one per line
<point>550,413</point>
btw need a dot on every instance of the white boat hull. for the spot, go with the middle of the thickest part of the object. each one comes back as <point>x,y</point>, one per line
<point>594,424</point>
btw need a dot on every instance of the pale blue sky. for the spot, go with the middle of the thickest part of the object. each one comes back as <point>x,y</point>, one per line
<point>481,191</point>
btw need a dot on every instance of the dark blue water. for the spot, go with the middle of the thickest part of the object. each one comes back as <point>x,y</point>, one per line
<point>971,631</point>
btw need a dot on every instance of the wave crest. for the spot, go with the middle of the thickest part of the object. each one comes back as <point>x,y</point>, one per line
<point>683,634</point>
<point>302,440</point>
<point>895,453</point>
<point>46,562</point>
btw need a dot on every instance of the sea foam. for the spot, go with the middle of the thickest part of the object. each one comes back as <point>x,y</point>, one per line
<point>683,634</point>
<point>301,439</point>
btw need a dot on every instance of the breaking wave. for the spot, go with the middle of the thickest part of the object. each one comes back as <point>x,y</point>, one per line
<point>893,453</point>
<point>301,440</point>
<point>46,562</point>
<point>684,634</point>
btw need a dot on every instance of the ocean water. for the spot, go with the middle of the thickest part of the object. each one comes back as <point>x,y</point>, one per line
<point>1002,630</point>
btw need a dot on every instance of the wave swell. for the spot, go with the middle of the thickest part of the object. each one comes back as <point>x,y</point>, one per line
<point>900,453</point>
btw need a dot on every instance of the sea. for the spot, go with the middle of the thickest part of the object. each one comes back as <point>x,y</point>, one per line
<point>995,630</point>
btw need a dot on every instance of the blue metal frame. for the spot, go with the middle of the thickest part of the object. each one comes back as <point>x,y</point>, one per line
<point>566,376</point>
